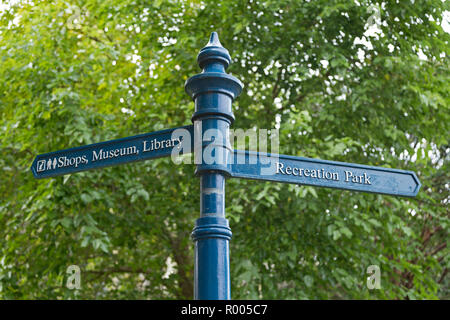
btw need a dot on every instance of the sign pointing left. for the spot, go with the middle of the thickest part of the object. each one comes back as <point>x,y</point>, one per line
<point>136,148</point>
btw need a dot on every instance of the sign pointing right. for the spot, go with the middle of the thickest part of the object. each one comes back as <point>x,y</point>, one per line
<point>324,173</point>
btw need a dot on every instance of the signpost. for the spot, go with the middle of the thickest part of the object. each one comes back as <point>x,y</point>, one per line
<point>98,155</point>
<point>213,92</point>
<point>323,173</point>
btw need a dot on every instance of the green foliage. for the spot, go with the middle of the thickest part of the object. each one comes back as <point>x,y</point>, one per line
<point>78,72</point>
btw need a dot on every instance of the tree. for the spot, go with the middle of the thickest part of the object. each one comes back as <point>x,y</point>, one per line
<point>363,82</point>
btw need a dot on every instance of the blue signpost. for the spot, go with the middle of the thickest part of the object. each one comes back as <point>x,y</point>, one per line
<point>109,153</point>
<point>324,173</point>
<point>213,92</point>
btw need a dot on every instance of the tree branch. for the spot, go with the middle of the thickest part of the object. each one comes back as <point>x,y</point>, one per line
<point>276,89</point>
<point>443,275</point>
<point>437,249</point>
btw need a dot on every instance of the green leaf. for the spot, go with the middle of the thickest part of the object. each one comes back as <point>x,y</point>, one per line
<point>346,231</point>
<point>309,281</point>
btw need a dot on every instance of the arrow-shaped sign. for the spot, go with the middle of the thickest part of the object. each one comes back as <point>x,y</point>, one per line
<point>323,173</point>
<point>136,148</point>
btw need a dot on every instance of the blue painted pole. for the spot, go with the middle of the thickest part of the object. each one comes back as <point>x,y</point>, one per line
<point>213,92</point>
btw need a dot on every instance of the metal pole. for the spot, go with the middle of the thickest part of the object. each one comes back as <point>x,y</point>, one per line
<point>213,92</point>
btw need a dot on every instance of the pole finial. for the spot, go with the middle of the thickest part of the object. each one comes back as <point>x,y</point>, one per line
<point>213,52</point>
<point>214,40</point>
<point>213,59</point>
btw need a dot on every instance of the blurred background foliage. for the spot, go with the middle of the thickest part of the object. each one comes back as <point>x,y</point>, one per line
<point>355,81</point>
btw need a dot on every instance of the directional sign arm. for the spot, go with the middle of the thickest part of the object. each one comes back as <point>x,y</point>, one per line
<point>136,148</point>
<point>323,173</point>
